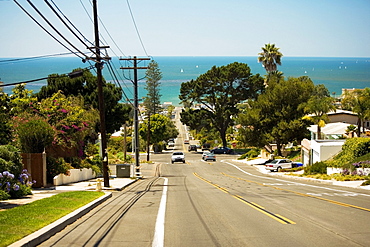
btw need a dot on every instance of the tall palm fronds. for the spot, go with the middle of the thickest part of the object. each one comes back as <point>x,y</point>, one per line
<point>270,57</point>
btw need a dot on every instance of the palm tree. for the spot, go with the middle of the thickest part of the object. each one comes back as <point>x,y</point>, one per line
<point>270,57</point>
<point>358,101</point>
<point>319,105</point>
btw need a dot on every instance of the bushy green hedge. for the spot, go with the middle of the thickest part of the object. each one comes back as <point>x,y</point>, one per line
<point>317,168</point>
<point>252,153</point>
<point>352,149</point>
<point>10,160</point>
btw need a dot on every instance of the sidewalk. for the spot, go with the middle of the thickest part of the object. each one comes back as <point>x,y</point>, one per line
<point>351,184</point>
<point>147,170</point>
<point>115,184</point>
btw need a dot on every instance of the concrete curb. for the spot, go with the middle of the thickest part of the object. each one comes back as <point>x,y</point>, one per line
<point>348,184</point>
<point>55,227</point>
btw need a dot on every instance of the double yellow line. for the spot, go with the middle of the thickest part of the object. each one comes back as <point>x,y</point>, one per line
<point>301,194</point>
<point>259,208</point>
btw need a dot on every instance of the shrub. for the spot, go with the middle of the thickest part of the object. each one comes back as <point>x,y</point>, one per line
<point>10,160</point>
<point>4,195</point>
<point>96,164</point>
<point>91,149</point>
<point>56,166</point>
<point>13,187</point>
<point>317,168</point>
<point>34,134</point>
<point>253,153</point>
<point>352,149</point>
<point>366,183</point>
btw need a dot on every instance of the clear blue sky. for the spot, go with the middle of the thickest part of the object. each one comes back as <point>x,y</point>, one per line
<point>314,28</point>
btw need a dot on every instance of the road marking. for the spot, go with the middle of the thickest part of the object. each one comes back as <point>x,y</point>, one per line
<point>291,183</point>
<point>158,240</point>
<point>312,195</point>
<point>253,205</point>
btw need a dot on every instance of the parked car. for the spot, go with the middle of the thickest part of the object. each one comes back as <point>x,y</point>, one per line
<point>178,157</point>
<point>206,146</point>
<point>222,150</point>
<point>278,164</point>
<point>208,156</point>
<point>192,148</point>
<point>171,144</point>
<point>297,164</point>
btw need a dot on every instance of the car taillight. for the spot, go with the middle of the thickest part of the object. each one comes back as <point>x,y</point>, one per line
<point>269,165</point>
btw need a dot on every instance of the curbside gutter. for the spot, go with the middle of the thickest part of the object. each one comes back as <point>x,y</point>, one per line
<point>46,232</point>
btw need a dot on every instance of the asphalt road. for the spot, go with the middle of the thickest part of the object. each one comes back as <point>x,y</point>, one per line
<point>222,203</point>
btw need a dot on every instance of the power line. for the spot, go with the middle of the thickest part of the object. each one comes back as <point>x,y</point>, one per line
<point>56,30</point>
<point>75,53</point>
<point>35,57</point>
<point>70,75</point>
<point>110,69</point>
<point>137,30</point>
<point>100,34</point>
<point>72,24</point>
<point>68,27</point>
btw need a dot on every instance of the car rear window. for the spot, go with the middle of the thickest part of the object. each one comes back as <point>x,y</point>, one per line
<point>178,153</point>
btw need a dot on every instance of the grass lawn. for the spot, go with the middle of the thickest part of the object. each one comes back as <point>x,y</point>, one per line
<point>23,220</point>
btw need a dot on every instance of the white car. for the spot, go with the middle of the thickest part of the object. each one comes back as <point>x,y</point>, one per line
<point>178,157</point>
<point>278,164</point>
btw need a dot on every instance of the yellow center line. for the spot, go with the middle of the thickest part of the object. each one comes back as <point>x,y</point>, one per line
<point>257,207</point>
<point>301,194</point>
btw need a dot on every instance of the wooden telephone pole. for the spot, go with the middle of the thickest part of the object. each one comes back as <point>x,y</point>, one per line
<point>99,67</point>
<point>136,110</point>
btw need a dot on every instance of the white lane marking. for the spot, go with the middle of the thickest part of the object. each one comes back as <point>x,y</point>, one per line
<point>308,185</point>
<point>158,240</point>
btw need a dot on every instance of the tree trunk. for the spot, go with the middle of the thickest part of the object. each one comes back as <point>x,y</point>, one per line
<point>318,132</point>
<point>358,131</point>
<point>278,146</point>
<point>223,137</point>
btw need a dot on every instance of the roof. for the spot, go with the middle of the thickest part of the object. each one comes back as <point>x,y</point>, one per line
<point>331,128</point>
<point>342,112</point>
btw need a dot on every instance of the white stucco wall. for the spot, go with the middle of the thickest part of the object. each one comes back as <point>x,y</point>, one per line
<point>75,175</point>
<point>325,149</point>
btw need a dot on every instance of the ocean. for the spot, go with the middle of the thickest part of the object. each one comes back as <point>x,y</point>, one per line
<point>334,72</point>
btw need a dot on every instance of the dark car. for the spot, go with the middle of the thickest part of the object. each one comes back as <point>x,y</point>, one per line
<point>222,150</point>
<point>206,146</point>
<point>192,148</point>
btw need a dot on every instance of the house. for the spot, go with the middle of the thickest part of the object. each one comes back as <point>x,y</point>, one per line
<point>319,150</point>
<point>332,134</point>
<point>343,116</point>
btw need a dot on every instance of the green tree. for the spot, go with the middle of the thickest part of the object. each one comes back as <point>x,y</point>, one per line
<point>116,113</point>
<point>33,133</point>
<point>218,91</point>
<point>152,100</point>
<point>270,57</point>
<point>21,100</point>
<point>276,116</point>
<point>319,105</point>
<point>161,128</point>
<point>69,118</point>
<point>358,101</point>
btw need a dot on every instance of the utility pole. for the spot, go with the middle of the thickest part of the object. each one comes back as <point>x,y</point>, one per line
<point>148,138</point>
<point>136,110</point>
<point>99,67</point>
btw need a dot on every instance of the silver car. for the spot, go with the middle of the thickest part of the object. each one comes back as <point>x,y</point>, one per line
<point>278,164</point>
